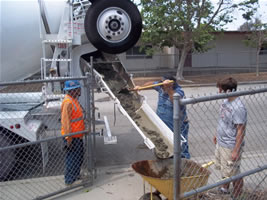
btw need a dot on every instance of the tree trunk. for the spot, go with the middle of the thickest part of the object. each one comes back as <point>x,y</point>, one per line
<point>257,62</point>
<point>180,69</point>
<point>260,39</point>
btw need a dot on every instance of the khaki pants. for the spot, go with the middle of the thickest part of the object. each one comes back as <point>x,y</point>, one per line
<point>224,162</point>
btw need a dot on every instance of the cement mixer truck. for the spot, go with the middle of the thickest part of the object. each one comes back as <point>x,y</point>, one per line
<point>71,33</point>
<point>68,30</point>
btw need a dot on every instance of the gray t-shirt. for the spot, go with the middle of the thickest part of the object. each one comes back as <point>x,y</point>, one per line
<point>231,114</point>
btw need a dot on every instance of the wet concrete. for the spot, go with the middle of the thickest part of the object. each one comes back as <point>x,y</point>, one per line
<point>164,169</point>
<point>152,131</point>
<point>118,79</point>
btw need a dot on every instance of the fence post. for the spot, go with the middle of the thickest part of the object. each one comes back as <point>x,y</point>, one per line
<point>177,145</point>
<point>88,140</point>
<point>93,131</point>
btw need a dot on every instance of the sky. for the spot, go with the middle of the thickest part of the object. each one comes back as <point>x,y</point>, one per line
<point>261,14</point>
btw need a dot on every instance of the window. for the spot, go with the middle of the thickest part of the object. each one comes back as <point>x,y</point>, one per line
<point>137,53</point>
<point>263,50</point>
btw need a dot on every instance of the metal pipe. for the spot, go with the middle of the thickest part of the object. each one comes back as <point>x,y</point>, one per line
<point>63,190</point>
<point>93,116</point>
<point>222,96</point>
<point>93,123</point>
<point>40,141</point>
<point>224,181</point>
<point>42,12</point>
<point>56,79</point>
<point>44,19</point>
<point>177,145</point>
<point>89,152</point>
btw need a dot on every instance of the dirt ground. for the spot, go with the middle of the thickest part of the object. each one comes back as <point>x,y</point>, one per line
<point>209,79</point>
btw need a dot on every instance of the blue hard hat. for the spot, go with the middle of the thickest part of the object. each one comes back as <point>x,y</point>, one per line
<point>72,84</point>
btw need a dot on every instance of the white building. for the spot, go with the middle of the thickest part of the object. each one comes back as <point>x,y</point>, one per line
<point>229,52</point>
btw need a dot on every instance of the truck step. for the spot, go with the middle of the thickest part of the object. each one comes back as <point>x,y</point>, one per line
<point>57,60</point>
<point>57,41</point>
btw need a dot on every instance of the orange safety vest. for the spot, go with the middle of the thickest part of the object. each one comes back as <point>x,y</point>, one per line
<point>77,121</point>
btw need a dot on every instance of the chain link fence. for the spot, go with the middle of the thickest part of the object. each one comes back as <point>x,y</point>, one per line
<point>203,114</point>
<point>34,156</point>
<point>33,152</point>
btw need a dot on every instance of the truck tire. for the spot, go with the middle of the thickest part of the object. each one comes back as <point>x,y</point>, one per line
<point>7,157</point>
<point>113,26</point>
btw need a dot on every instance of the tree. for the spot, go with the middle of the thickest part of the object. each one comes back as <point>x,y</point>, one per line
<point>257,37</point>
<point>185,24</point>
<point>249,25</point>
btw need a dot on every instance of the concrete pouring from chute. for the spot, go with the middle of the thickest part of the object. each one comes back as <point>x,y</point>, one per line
<point>153,130</point>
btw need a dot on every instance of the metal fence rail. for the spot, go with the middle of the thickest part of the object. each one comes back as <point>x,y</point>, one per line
<point>32,149</point>
<point>203,115</point>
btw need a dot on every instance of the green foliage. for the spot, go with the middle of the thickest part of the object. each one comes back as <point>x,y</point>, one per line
<point>257,37</point>
<point>166,22</point>
<point>202,38</point>
<point>251,25</point>
<point>186,23</point>
<point>249,7</point>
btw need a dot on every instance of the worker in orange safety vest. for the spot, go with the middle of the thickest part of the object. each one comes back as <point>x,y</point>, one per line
<point>72,120</point>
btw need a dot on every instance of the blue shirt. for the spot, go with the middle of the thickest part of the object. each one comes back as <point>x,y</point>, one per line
<point>165,105</point>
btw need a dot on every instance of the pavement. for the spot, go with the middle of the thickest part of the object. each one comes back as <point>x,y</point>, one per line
<point>121,182</point>
<point>112,183</point>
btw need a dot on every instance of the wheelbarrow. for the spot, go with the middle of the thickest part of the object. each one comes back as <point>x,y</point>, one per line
<point>159,174</point>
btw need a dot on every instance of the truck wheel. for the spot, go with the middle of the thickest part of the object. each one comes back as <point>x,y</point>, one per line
<point>113,26</point>
<point>7,158</point>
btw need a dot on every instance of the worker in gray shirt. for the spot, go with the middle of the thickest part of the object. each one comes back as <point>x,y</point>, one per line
<point>229,139</point>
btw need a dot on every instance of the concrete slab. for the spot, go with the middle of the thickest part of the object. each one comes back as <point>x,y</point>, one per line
<point>121,182</point>
<point>112,183</point>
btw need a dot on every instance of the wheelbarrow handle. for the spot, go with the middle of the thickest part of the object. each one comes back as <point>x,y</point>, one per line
<point>151,86</point>
<point>206,165</point>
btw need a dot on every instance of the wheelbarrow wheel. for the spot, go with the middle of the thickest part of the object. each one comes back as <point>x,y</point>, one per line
<point>147,197</point>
